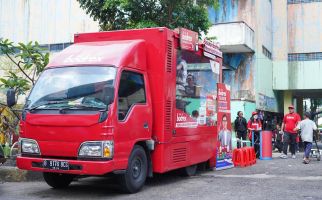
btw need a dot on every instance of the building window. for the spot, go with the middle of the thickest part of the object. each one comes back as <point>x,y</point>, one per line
<point>267,53</point>
<point>295,57</point>
<point>302,1</point>
<point>58,47</point>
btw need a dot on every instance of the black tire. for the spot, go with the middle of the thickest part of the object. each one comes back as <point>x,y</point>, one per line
<point>318,157</point>
<point>134,178</point>
<point>58,181</point>
<point>190,170</point>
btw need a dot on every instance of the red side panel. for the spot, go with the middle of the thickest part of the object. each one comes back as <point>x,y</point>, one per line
<point>176,148</point>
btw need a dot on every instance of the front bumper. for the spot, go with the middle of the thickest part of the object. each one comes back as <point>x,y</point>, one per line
<point>78,167</point>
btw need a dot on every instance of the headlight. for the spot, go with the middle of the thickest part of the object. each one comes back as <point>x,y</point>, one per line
<point>103,149</point>
<point>29,146</point>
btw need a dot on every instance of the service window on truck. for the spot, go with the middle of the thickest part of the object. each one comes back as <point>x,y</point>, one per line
<point>196,89</point>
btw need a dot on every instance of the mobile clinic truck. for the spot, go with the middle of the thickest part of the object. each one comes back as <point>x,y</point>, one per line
<point>132,103</point>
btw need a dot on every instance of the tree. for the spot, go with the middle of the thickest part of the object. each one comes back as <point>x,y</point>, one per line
<point>124,14</point>
<point>28,61</point>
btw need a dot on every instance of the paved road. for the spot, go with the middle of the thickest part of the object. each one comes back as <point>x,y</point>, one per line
<point>277,179</point>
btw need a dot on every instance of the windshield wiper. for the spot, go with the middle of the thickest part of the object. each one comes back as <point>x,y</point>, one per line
<point>44,104</point>
<point>80,106</point>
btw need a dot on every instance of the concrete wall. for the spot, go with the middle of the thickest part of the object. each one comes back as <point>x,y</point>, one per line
<point>264,25</point>
<point>233,37</point>
<point>305,75</point>
<point>282,28</point>
<point>279,30</point>
<point>265,96</point>
<point>305,27</point>
<point>252,78</point>
<point>245,106</point>
<point>288,100</point>
<point>241,80</point>
<point>297,28</point>
<point>45,21</point>
<point>234,10</point>
<point>280,44</point>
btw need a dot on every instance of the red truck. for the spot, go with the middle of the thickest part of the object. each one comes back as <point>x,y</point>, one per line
<point>130,102</point>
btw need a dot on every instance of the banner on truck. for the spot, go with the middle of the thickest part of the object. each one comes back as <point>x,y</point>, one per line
<point>188,40</point>
<point>224,144</point>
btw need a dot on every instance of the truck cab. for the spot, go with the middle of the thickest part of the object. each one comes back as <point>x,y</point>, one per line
<point>112,103</point>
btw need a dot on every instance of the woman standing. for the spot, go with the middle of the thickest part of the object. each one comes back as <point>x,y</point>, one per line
<point>254,125</point>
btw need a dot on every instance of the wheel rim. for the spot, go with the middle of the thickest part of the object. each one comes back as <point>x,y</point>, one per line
<point>136,168</point>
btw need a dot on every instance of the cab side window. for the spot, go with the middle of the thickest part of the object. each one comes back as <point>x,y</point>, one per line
<point>131,91</point>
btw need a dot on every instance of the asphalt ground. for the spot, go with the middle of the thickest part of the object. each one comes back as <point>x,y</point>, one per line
<point>287,179</point>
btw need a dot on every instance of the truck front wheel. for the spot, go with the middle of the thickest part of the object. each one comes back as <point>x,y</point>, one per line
<point>134,178</point>
<point>58,181</point>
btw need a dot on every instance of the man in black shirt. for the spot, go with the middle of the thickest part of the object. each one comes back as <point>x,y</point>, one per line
<point>240,127</point>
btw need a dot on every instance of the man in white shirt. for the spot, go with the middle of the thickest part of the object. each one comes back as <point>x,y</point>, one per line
<point>307,127</point>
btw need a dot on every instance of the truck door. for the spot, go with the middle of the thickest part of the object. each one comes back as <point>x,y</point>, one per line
<point>134,114</point>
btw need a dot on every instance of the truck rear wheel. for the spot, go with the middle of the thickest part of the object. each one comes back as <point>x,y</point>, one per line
<point>134,178</point>
<point>190,170</point>
<point>58,181</point>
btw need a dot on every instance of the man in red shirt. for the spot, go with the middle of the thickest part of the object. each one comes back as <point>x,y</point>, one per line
<point>289,123</point>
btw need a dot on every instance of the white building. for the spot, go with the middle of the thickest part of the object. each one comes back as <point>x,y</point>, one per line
<point>45,21</point>
<point>52,23</point>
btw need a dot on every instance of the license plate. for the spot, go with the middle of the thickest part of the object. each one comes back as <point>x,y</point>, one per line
<point>56,164</point>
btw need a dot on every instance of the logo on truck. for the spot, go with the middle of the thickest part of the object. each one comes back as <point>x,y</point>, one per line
<point>181,117</point>
<point>82,58</point>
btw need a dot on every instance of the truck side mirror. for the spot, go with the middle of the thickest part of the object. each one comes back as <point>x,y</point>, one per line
<point>11,97</point>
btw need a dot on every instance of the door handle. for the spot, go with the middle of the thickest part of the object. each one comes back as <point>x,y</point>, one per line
<point>145,125</point>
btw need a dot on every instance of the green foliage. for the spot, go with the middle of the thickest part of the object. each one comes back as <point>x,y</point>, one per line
<point>13,81</point>
<point>214,38</point>
<point>30,61</point>
<point>124,14</point>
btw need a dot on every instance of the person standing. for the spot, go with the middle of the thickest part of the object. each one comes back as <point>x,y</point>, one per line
<point>261,117</point>
<point>254,125</point>
<point>307,127</point>
<point>240,125</point>
<point>289,123</point>
<point>278,139</point>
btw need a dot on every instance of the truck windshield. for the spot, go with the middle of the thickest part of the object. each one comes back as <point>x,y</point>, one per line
<point>73,88</point>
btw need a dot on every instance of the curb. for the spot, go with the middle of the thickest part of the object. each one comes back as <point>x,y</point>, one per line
<point>13,174</point>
